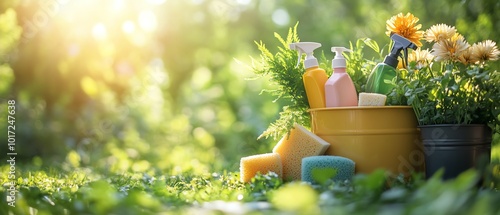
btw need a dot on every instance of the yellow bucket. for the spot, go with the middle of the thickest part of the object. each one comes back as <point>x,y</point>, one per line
<point>382,137</point>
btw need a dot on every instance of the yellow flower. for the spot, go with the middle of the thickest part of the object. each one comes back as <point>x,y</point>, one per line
<point>450,49</point>
<point>439,32</point>
<point>406,26</point>
<point>421,57</point>
<point>484,51</point>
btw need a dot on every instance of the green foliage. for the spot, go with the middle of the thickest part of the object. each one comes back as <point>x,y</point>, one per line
<point>286,76</point>
<point>86,191</point>
<point>82,191</point>
<point>438,93</point>
<point>10,32</point>
<point>358,66</point>
<point>261,185</point>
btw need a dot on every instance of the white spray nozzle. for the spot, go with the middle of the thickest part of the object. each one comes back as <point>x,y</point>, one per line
<point>308,48</point>
<point>339,60</point>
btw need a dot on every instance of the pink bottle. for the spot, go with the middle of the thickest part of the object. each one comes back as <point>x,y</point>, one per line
<point>339,89</point>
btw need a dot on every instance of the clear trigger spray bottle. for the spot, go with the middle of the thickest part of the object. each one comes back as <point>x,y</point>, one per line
<point>386,71</point>
<point>314,78</point>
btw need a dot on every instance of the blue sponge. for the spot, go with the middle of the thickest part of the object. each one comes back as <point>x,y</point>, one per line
<point>343,166</point>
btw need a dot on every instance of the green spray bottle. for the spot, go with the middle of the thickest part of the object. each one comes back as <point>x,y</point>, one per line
<point>386,71</point>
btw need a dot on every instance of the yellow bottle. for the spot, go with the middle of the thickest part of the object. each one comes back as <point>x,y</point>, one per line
<point>314,78</point>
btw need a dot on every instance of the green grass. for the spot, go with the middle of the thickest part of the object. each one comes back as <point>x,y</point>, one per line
<point>88,191</point>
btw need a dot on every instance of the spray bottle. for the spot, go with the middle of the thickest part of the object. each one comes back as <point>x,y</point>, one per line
<point>314,78</point>
<point>339,89</point>
<point>386,71</point>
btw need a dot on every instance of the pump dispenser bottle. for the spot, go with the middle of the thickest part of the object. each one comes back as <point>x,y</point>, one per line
<point>339,89</point>
<point>386,71</point>
<point>314,78</point>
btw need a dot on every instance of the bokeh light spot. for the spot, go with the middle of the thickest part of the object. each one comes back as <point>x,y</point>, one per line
<point>128,27</point>
<point>156,2</point>
<point>281,17</point>
<point>243,2</point>
<point>147,21</point>
<point>89,86</point>
<point>99,31</point>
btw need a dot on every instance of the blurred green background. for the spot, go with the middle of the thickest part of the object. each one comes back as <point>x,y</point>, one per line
<point>154,85</point>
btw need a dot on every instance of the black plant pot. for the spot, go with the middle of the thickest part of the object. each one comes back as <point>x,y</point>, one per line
<point>456,148</point>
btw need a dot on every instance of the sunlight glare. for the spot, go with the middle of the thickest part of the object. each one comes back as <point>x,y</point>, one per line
<point>118,5</point>
<point>128,27</point>
<point>156,2</point>
<point>147,21</point>
<point>196,2</point>
<point>99,31</point>
<point>243,2</point>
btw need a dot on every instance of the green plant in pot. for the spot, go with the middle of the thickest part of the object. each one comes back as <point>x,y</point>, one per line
<point>456,98</point>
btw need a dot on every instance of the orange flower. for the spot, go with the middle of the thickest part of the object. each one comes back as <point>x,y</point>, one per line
<point>406,26</point>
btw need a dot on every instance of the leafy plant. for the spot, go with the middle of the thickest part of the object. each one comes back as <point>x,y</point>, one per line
<point>261,185</point>
<point>452,86</point>
<point>358,66</point>
<point>283,73</point>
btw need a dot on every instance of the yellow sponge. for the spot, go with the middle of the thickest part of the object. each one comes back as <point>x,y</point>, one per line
<point>263,163</point>
<point>299,144</point>
<point>371,99</point>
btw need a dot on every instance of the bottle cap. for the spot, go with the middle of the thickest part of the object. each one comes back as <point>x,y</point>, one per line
<point>339,60</point>
<point>308,48</point>
<point>400,44</point>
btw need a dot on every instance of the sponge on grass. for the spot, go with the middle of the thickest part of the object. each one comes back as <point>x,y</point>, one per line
<point>263,163</point>
<point>371,99</point>
<point>344,167</point>
<point>300,143</point>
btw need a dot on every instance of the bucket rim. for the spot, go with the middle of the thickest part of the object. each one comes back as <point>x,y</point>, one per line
<point>452,125</point>
<point>360,108</point>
